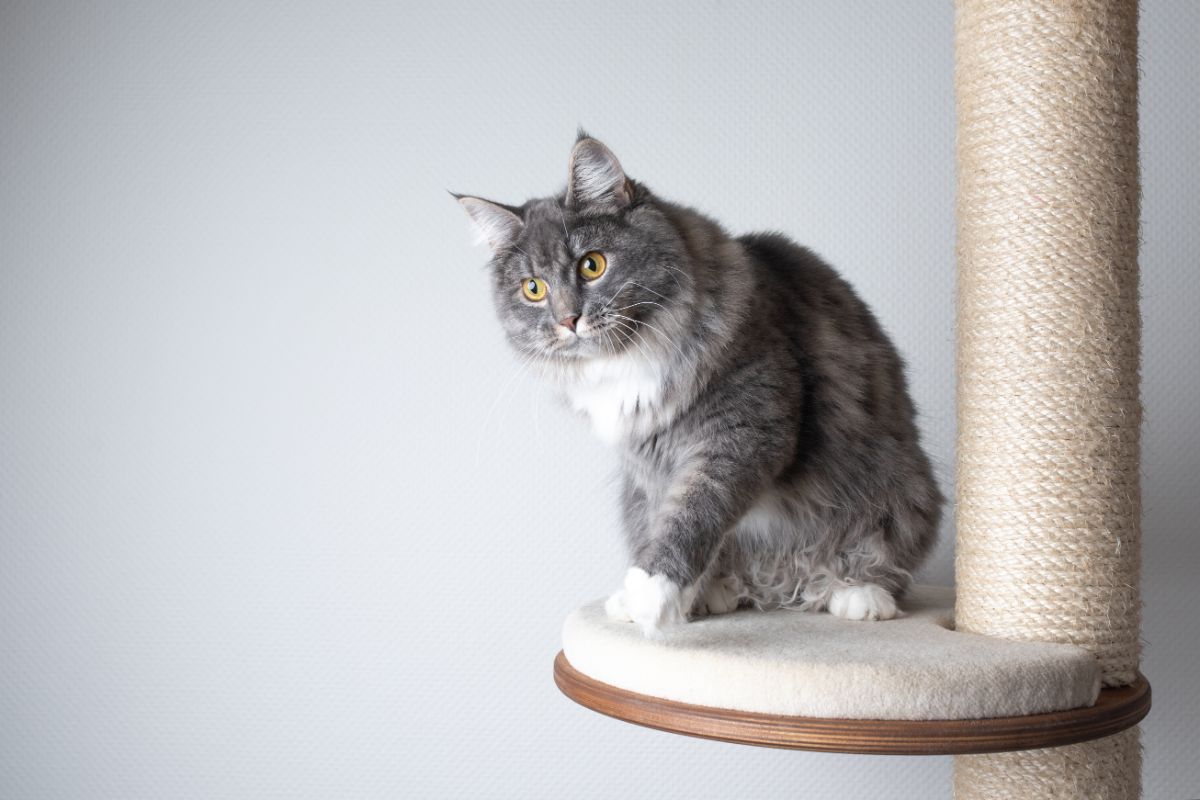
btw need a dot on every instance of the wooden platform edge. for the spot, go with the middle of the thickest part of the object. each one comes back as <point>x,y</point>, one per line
<point>1115,710</point>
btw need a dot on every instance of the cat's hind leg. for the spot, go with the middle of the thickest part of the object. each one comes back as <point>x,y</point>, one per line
<point>719,595</point>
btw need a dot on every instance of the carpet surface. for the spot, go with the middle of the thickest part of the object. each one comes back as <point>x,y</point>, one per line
<point>816,665</point>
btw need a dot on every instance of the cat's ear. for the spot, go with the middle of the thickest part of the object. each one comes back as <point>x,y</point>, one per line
<point>493,223</point>
<point>595,176</point>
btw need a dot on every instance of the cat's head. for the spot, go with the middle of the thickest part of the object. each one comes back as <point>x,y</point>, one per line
<point>593,272</point>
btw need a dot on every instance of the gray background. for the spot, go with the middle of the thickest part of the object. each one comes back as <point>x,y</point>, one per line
<point>278,514</point>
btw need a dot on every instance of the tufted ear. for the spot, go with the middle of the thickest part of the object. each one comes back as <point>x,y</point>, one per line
<point>493,223</point>
<point>595,176</point>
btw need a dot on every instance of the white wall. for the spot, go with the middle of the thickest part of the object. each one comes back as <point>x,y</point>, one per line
<point>277,516</point>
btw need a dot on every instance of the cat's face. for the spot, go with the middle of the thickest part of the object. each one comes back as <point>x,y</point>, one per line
<point>594,273</point>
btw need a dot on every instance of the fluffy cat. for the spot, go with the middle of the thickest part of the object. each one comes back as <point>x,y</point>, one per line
<point>769,452</point>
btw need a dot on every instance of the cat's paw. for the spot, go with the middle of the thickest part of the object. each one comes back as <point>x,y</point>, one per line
<point>866,601</point>
<point>615,608</point>
<point>720,595</point>
<point>654,601</point>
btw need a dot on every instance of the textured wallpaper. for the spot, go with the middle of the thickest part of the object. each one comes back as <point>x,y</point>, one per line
<point>279,514</point>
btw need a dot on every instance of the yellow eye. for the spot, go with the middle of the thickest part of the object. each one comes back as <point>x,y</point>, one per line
<point>534,289</point>
<point>592,265</point>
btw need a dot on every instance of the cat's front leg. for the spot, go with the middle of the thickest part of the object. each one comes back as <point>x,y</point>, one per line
<point>658,602</point>
<point>654,602</point>
<point>704,503</point>
<point>650,600</point>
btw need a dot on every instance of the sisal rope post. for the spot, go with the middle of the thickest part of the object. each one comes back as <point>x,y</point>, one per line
<point>1102,769</point>
<point>1048,488</point>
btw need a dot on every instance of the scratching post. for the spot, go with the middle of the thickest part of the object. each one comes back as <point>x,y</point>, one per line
<point>1048,357</point>
<point>1102,769</point>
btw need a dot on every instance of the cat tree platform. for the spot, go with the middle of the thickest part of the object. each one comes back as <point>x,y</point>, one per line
<point>791,679</point>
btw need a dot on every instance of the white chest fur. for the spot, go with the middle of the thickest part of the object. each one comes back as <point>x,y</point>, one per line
<point>617,394</point>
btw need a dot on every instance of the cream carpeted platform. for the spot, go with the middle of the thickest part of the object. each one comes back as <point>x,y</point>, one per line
<point>816,665</point>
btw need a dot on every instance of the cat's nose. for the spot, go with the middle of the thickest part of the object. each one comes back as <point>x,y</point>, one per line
<point>569,322</point>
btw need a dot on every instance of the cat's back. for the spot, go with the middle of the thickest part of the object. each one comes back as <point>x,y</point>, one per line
<point>850,365</point>
<point>796,278</point>
<point>798,292</point>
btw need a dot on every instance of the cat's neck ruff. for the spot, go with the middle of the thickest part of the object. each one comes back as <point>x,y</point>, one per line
<point>621,395</point>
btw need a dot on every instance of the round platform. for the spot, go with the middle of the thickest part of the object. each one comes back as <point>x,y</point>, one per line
<point>812,681</point>
<point>1114,711</point>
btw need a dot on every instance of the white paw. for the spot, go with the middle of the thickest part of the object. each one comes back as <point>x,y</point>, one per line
<point>654,601</point>
<point>867,601</point>
<point>720,595</point>
<point>614,606</point>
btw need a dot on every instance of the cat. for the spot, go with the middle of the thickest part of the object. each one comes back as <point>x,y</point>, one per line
<point>768,447</point>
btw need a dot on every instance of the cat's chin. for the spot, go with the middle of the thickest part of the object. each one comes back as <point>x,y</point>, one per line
<point>581,350</point>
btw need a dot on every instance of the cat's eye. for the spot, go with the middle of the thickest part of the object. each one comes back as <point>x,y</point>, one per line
<point>534,289</point>
<point>592,265</point>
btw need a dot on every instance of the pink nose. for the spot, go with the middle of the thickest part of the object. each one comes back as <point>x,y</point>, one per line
<point>569,322</point>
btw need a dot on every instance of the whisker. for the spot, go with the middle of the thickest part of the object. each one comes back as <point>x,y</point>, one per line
<point>616,332</point>
<point>669,311</point>
<point>529,355</point>
<point>642,350</point>
<point>643,303</point>
<point>648,289</point>
<point>613,299</point>
<point>658,330</point>
<point>563,217</point>
<point>676,269</point>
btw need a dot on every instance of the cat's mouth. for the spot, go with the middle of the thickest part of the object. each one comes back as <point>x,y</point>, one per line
<point>589,339</point>
<point>572,346</point>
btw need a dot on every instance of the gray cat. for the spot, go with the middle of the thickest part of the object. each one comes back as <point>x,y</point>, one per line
<point>769,452</point>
